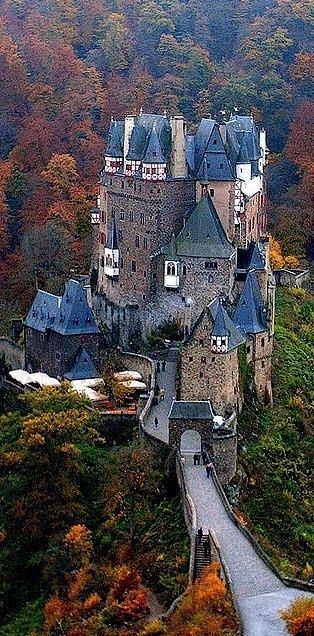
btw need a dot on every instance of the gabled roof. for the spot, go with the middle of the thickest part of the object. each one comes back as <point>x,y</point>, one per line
<point>153,152</point>
<point>74,315</point>
<point>43,311</point>
<point>242,141</point>
<point>185,410</point>
<point>224,325</point>
<point>115,139</point>
<point>82,367</point>
<point>112,239</point>
<point>203,234</point>
<point>250,313</point>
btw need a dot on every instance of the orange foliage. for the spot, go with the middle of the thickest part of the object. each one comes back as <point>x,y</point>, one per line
<point>5,171</point>
<point>277,260</point>
<point>299,617</point>
<point>299,148</point>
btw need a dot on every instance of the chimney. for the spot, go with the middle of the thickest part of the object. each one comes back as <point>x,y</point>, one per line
<point>128,128</point>
<point>223,131</point>
<point>178,162</point>
<point>88,293</point>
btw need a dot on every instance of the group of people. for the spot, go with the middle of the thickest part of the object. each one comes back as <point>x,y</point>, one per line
<point>161,365</point>
<point>206,543</point>
<point>209,466</point>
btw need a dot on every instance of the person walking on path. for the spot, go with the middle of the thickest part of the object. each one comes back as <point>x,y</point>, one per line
<point>206,547</point>
<point>200,534</point>
<point>204,457</point>
<point>209,469</point>
<point>158,366</point>
<point>163,365</point>
<point>156,422</point>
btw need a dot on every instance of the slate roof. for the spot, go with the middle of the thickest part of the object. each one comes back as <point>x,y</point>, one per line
<point>224,325</point>
<point>191,410</point>
<point>68,314</point>
<point>82,368</point>
<point>153,152</point>
<point>250,314</point>
<point>203,234</point>
<point>43,311</point>
<point>206,154</point>
<point>115,139</point>
<point>142,136</point>
<point>256,260</point>
<point>112,239</point>
<point>242,140</point>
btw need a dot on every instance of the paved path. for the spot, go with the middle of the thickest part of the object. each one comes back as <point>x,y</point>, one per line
<point>259,593</point>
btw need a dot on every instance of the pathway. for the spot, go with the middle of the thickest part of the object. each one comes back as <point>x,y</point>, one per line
<point>259,593</point>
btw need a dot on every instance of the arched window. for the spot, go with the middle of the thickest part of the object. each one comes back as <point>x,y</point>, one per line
<point>171,269</point>
<point>183,270</point>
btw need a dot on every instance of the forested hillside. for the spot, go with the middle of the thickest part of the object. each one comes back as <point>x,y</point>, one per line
<point>66,65</point>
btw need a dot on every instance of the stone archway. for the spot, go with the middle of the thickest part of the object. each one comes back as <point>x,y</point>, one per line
<point>190,442</point>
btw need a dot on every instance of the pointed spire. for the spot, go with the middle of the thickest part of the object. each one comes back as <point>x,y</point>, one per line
<point>171,249</point>
<point>256,261</point>
<point>115,147</point>
<point>250,313</point>
<point>153,152</point>
<point>112,240</point>
<point>219,328</point>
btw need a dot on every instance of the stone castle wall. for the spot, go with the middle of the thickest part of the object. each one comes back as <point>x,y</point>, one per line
<point>205,375</point>
<point>222,194</point>
<point>179,426</point>
<point>225,454</point>
<point>259,352</point>
<point>42,351</point>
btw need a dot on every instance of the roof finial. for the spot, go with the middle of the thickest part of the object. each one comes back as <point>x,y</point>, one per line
<point>141,110</point>
<point>112,118</point>
<point>165,114</point>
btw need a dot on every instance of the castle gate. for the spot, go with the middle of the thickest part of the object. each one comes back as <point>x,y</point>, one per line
<point>190,442</point>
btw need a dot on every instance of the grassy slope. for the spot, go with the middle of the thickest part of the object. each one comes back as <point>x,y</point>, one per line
<point>277,445</point>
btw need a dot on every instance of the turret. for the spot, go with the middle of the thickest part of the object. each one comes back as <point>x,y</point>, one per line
<point>114,150</point>
<point>111,267</point>
<point>128,129</point>
<point>220,333</point>
<point>154,163</point>
<point>171,274</point>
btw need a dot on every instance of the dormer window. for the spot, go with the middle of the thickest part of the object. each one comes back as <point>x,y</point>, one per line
<point>112,164</point>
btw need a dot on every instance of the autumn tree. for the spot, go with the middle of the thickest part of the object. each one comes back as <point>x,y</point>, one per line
<point>299,617</point>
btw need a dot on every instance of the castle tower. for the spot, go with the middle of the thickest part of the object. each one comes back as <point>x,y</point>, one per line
<point>209,360</point>
<point>251,316</point>
<point>111,264</point>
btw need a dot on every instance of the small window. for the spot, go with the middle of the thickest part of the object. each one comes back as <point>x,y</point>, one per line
<point>142,218</point>
<point>133,266</point>
<point>122,185</point>
<point>42,337</point>
<point>58,356</point>
<point>203,360</point>
<point>145,243</point>
<point>154,275</point>
<point>207,265</point>
<point>201,343</point>
<point>190,359</point>
<point>215,142</point>
<point>102,261</point>
<point>212,192</point>
<point>144,297</point>
<point>183,270</point>
<point>102,216</point>
<point>120,235</point>
<point>110,181</point>
<point>263,364</point>
<point>137,241</point>
<point>201,374</point>
<point>263,342</point>
<point>144,273</point>
<point>210,278</point>
<point>131,215</point>
<point>221,165</point>
<point>213,265</point>
<point>213,359</point>
<point>122,215</point>
<point>121,262</point>
<point>248,349</point>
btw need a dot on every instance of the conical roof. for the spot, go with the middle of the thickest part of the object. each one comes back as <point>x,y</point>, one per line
<point>256,260</point>
<point>115,139</point>
<point>170,250</point>
<point>112,240</point>
<point>219,328</point>
<point>203,234</point>
<point>250,313</point>
<point>153,152</point>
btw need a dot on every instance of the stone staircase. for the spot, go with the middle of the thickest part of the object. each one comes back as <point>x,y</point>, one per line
<point>201,560</point>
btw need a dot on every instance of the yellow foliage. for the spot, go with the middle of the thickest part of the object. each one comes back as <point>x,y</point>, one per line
<point>299,617</point>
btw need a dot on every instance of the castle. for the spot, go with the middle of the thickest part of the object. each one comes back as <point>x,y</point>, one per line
<point>173,209</point>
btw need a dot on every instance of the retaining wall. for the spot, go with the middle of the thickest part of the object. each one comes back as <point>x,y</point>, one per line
<point>14,355</point>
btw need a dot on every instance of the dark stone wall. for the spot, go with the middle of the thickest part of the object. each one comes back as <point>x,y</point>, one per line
<point>146,214</point>
<point>225,455</point>
<point>259,353</point>
<point>42,351</point>
<point>215,378</point>
<point>203,427</point>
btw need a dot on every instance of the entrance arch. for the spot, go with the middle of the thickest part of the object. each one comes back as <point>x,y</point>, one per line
<point>190,442</point>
